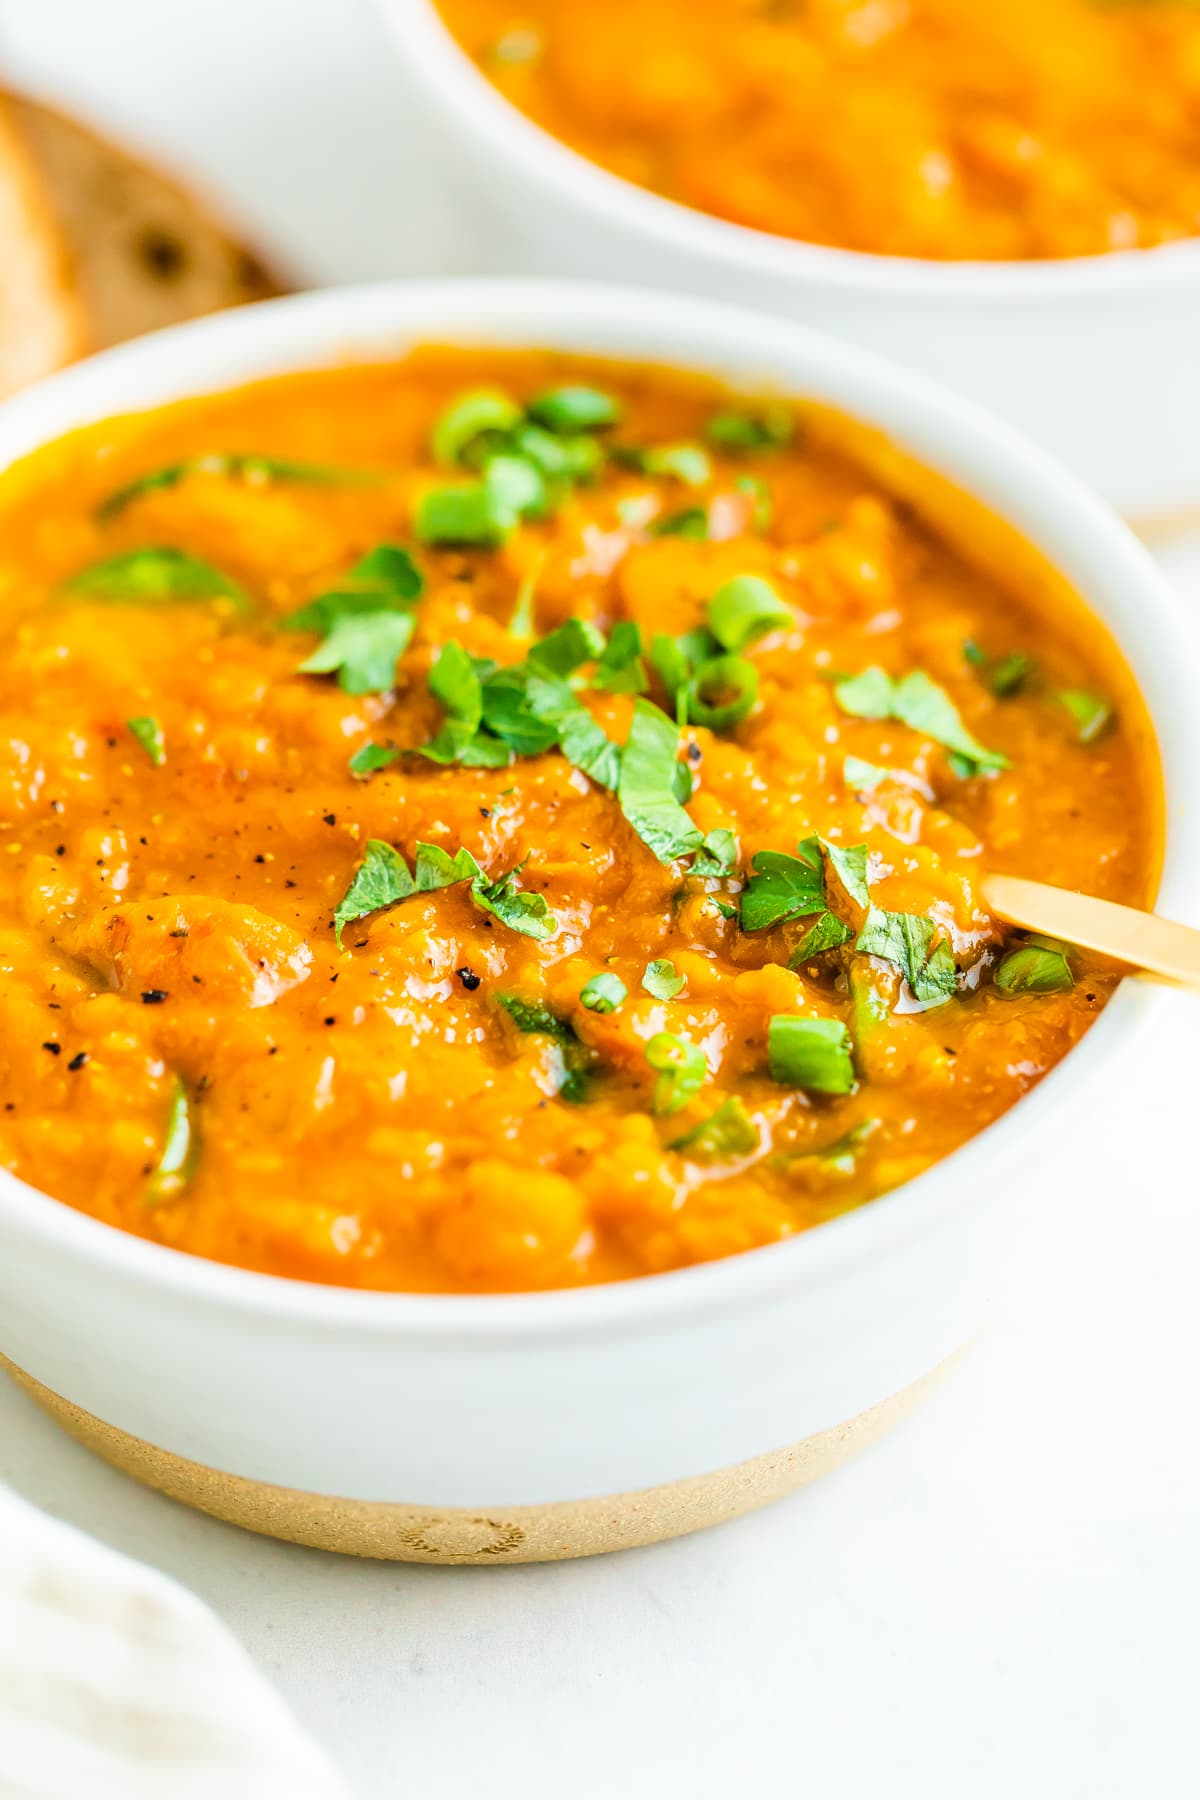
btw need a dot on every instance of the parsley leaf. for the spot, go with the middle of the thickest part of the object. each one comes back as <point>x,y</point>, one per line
<point>782,887</point>
<point>382,878</point>
<point>717,855</point>
<point>527,913</point>
<point>681,1069</point>
<point>923,706</point>
<point>907,940</point>
<point>148,733</point>
<point>367,622</point>
<point>1040,966</point>
<point>827,934</point>
<point>138,577</point>
<point>810,1053</point>
<point>620,669</point>
<point>645,789</point>
<point>727,1133</point>
<point>850,866</point>
<point>534,1019</point>
<point>370,757</point>
<point>454,680</point>
<point>663,980</point>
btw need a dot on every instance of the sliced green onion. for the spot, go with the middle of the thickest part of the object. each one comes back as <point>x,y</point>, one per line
<point>744,609</point>
<point>810,1053</point>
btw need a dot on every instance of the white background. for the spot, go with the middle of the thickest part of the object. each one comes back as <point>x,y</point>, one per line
<point>999,1600</point>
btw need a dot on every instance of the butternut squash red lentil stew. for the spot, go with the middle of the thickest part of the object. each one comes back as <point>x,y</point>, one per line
<point>944,129</point>
<point>499,822</point>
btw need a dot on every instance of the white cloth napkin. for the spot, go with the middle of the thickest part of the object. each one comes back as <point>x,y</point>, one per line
<point>118,1684</point>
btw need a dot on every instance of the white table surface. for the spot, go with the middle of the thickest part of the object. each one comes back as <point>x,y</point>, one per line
<point>1000,1599</point>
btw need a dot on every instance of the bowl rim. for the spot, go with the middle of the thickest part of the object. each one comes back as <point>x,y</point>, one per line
<point>348,324</point>
<point>483,115</point>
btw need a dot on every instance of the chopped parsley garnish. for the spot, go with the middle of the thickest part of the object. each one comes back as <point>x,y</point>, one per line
<point>907,940</point>
<point>727,1133</point>
<point>454,680</point>
<point>923,706</point>
<point>620,669</point>
<point>681,1070</point>
<point>1039,966</point>
<point>744,609</point>
<point>646,791</point>
<point>371,757</point>
<point>718,854</point>
<point>572,409</point>
<point>383,878</point>
<point>690,522</point>
<point>850,866</point>
<point>148,733</point>
<point>782,887</point>
<point>686,463</point>
<point>1092,713</point>
<point>663,980</point>
<point>139,577</point>
<point>810,1053</point>
<point>864,777</point>
<point>828,933</point>
<point>250,467</point>
<point>1004,675</point>
<point>366,622</point>
<point>766,430</point>
<point>603,993</point>
<point>177,1159</point>
<point>537,1020</point>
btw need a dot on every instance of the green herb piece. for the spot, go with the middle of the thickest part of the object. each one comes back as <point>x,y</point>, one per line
<point>367,622</point>
<point>468,418</point>
<point>369,758</point>
<point>744,609</point>
<point>484,512</point>
<point>523,625</point>
<point>148,733</point>
<point>534,1019</point>
<point>842,1154</point>
<point>850,866</point>
<point>1040,966</point>
<point>382,878</point>
<point>681,1070</point>
<point>620,669</point>
<point>721,692</point>
<point>435,868</point>
<point>603,993</point>
<point>717,856</point>
<point>727,1133</point>
<point>923,706</point>
<point>566,649</point>
<point>827,934</point>
<point>686,463</point>
<point>176,1163</point>
<point>758,491</point>
<point>766,430</point>
<point>560,459</point>
<point>691,522</point>
<point>520,911</point>
<point>663,980</point>
<point>581,740</point>
<point>907,940</point>
<point>1005,676</point>
<point>782,887</point>
<point>1091,712</point>
<point>568,410</point>
<point>139,577</point>
<point>237,466</point>
<point>810,1053</point>
<point>866,696</point>
<point>864,777</point>
<point>645,790</point>
<point>454,680</point>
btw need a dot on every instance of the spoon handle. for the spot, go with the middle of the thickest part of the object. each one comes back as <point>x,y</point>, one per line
<point>1143,940</point>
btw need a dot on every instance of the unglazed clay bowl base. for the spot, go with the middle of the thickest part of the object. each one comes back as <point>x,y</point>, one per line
<point>511,1534</point>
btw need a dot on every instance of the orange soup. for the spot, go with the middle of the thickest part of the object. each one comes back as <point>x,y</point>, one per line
<point>501,822</point>
<point>954,129</point>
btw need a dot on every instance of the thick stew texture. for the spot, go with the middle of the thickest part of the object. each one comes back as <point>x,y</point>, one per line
<point>952,129</point>
<point>500,822</point>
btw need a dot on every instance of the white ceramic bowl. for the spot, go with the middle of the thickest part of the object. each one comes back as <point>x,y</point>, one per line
<point>1099,359</point>
<point>502,1427</point>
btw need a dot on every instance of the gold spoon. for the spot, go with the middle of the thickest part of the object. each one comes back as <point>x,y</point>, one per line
<point>1147,943</point>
